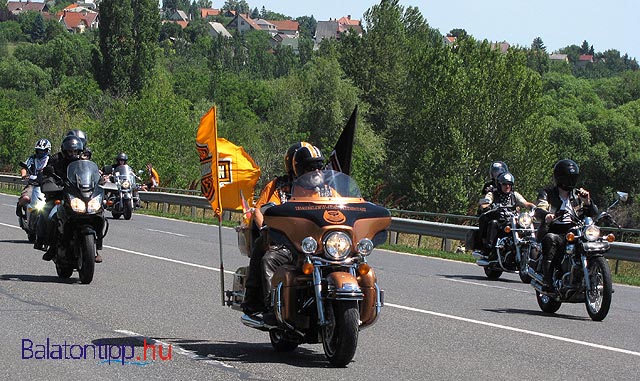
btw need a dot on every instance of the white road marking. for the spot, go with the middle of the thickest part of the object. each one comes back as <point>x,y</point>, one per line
<point>10,226</point>
<point>165,232</point>
<point>489,285</point>
<point>175,348</point>
<point>513,329</point>
<point>459,318</point>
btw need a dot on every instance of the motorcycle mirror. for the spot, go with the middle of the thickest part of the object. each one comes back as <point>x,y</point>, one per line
<point>140,171</point>
<point>622,196</point>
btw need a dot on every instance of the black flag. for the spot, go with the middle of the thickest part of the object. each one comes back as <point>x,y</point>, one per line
<point>340,159</point>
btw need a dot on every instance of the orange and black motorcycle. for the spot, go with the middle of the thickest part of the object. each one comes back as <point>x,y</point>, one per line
<point>330,293</point>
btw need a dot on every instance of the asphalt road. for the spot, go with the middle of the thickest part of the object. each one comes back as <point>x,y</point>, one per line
<point>159,283</point>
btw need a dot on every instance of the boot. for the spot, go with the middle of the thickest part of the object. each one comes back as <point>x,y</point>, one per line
<point>252,301</point>
<point>50,254</point>
<point>19,210</point>
<point>547,274</point>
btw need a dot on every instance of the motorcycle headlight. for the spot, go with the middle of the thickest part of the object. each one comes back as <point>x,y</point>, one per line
<point>309,245</point>
<point>39,204</point>
<point>77,205</point>
<point>126,184</point>
<point>337,245</point>
<point>365,247</point>
<point>95,204</point>
<point>592,233</point>
<point>525,220</point>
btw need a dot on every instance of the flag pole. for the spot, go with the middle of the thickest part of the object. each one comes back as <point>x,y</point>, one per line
<point>221,260</point>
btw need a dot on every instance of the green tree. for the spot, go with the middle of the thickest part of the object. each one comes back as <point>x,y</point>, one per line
<point>240,6</point>
<point>16,134</point>
<point>537,44</point>
<point>24,76</point>
<point>307,26</point>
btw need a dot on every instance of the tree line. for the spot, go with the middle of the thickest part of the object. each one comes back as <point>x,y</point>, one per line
<point>432,116</point>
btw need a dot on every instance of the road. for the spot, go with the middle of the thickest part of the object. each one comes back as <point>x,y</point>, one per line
<point>159,283</point>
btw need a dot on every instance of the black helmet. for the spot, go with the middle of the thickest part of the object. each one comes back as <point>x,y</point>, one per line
<point>79,134</point>
<point>307,158</point>
<point>288,157</point>
<point>496,168</point>
<point>506,178</point>
<point>565,174</point>
<point>71,147</point>
<point>122,156</point>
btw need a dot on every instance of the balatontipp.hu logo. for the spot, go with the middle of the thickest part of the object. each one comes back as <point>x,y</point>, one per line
<point>105,353</point>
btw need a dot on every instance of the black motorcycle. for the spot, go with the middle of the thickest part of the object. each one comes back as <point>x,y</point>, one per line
<point>515,243</point>
<point>78,218</point>
<point>121,199</point>
<point>583,274</point>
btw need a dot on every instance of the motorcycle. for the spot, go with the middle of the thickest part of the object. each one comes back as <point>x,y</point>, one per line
<point>29,217</point>
<point>121,199</point>
<point>331,292</point>
<point>78,218</point>
<point>515,243</point>
<point>583,274</point>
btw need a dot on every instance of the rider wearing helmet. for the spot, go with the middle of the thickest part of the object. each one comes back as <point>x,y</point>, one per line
<point>276,192</point>
<point>29,170</point>
<point>495,169</point>
<point>503,196</point>
<point>562,200</point>
<point>86,153</point>
<point>70,150</point>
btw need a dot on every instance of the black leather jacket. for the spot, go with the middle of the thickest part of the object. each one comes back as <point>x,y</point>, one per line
<point>549,202</point>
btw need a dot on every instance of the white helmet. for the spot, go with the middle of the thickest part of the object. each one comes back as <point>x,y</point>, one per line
<point>43,144</point>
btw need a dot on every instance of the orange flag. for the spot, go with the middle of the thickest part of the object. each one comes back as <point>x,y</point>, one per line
<point>206,144</point>
<point>237,174</point>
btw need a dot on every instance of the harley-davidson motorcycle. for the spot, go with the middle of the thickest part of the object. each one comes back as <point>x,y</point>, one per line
<point>29,217</point>
<point>583,274</point>
<point>119,191</point>
<point>330,293</point>
<point>78,218</point>
<point>515,243</point>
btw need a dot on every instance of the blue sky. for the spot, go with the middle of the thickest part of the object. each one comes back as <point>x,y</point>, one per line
<point>612,24</point>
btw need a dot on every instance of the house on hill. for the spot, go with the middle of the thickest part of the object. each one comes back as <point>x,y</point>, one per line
<point>216,29</point>
<point>78,19</point>
<point>209,12</point>
<point>16,7</point>
<point>242,23</point>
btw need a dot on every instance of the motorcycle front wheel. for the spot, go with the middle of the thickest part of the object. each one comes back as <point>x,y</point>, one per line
<point>340,335</point>
<point>492,273</point>
<point>598,298</point>
<point>64,272</point>
<point>87,258</point>
<point>128,210</point>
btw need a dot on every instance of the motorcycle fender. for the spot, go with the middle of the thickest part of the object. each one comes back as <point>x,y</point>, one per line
<point>343,286</point>
<point>88,230</point>
<point>596,247</point>
<point>370,305</point>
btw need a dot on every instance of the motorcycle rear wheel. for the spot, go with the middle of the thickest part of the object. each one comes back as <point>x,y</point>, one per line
<point>598,299</point>
<point>492,273</point>
<point>87,258</point>
<point>340,336</point>
<point>280,342</point>
<point>547,304</point>
<point>63,271</point>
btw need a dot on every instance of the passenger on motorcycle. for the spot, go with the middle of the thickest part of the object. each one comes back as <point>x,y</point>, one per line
<point>555,205</point>
<point>71,150</point>
<point>277,192</point>
<point>86,151</point>
<point>503,196</point>
<point>30,169</point>
<point>496,169</point>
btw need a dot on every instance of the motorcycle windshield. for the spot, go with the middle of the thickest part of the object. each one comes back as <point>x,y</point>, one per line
<point>325,183</point>
<point>124,172</point>
<point>83,174</point>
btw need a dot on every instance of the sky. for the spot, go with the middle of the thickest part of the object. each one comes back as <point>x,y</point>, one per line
<point>612,24</point>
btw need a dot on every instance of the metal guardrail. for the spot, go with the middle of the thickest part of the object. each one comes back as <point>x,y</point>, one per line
<point>619,250</point>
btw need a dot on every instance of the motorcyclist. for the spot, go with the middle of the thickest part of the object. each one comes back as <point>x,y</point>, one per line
<point>86,151</point>
<point>277,192</point>
<point>71,150</point>
<point>495,169</point>
<point>30,169</point>
<point>122,159</point>
<point>555,206</point>
<point>306,159</point>
<point>503,196</point>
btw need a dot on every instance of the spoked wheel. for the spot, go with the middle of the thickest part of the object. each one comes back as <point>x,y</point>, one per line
<point>340,335</point>
<point>598,298</point>
<point>87,258</point>
<point>280,342</point>
<point>128,210</point>
<point>492,273</point>
<point>547,304</point>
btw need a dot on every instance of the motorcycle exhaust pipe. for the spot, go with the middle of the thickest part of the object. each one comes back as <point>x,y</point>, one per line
<point>535,276</point>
